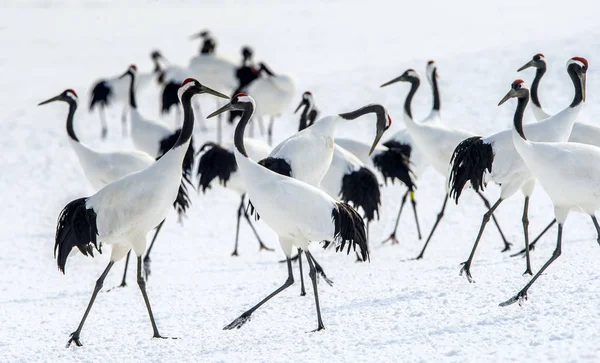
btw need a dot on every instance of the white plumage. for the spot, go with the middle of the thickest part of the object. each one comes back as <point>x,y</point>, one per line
<point>124,211</point>
<point>297,212</point>
<point>498,154</point>
<point>567,171</point>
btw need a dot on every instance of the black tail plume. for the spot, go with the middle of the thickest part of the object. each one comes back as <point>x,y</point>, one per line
<point>183,201</point>
<point>169,97</point>
<point>215,162</point>
<point>394,163</point>
<point>349,228</point>
<point>101,94</point>
<point>277,165</point>
<point>76,228</point>
<point>469,162</point>
<point>361,189</point>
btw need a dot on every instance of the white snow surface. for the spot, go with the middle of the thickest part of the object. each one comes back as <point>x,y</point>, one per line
<point>391,309</point>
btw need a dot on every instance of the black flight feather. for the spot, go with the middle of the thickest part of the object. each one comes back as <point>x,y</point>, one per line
<point>469,163</point>
<point>76,227</point>
<point>393,164</point>
<point>101,94</point>
<point>361,189</point>
<point>215,162</point>
<point>169,96</point>
<point>183,201</point>
<point>350,229</point>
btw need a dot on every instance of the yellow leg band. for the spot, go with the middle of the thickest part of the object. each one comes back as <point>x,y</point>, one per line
<point>412,195</point>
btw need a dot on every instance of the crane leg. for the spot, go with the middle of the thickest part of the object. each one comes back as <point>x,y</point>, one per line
<point>437,221</point>
<point>124,121</point>
<point>124,280</point>
<point>245,317</point>
<point>313,276</point>
<point>486,218</point>
<point>142,284</point>
<point>535,241</point>
<point>103,124</point>
<point>302,290</point>
<point>414,207</point>
<point>525,221</point>
<point>597,228</point>
<point>262,245</point>
<point>147,259</point>
<point>523,293</point>
<point>270,130</point>
<point>237,226</point>
<point>487,205</point>
<point>75,335</point>
<point>392,236</point>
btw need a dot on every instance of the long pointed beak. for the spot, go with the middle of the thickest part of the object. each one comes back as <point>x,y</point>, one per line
<point>123,75</point>
<point>508,96</point>
<point>397,79</point>
<point>227,107</point>
<point>527,65</point>
<point>57,98</point>
<point>381,123</point>
<point>213,92</point>
<point>583,80</point>
<point>299,106</point>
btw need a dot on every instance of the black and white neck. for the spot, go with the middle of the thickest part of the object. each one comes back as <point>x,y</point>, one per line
<point>72,101</point>
<point>245,104</point>
<point>539,73</point>
<point>131,72</point>
<point>415,82</point>
<point>432,76</point>
<point>185,93</point>
<point>577,69</point>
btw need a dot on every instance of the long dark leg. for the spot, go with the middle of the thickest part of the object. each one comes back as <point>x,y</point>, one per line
<point>392,236</point>
<point>262,245</point>
<point>147,259</point>
<point>124,282</point>
<point>313,277</point>
<point>437,221</point>
<point>242,319</point>
<point>270,130</point>
<point>237,226</point>
<point>486,218</point>
<point>414,206</point>
<point>99,283</point>
<point>523,293</point>
<point>302,290</point>
<point>597,227</point>
<point>142,284</point>
<point>124,121</point>
<point>103,124</point>
<point>525,221</point>
<point>532,244</point>
<point>487,205</point>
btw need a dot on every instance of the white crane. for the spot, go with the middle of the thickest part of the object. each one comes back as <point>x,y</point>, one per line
<point>123,212</point>
<point>477,161</point>
<point>103,168</point>
<point>583,133</point>
<point>309,113</point>
<point>307,155</point>
<point>568,172</point>
<point>218,161</point>
<point>109,91</point>
<point>273,94</point>
<point>436,142</point>
<point>296,211</point>
<point>402,142</point>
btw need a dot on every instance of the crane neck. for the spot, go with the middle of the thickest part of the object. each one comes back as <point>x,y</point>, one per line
<point>188,120</point>
<point>578,97</point>
<point>518,118</point>
<point>304,117</point>
<point>414,86</point>
<point>539,73</point>
<point>132,102</point>
<point>436,91</point>
<point>70,117</point>
<point>238,137</point>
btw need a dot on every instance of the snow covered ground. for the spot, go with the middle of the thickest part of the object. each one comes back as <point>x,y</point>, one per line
<point>391,309</point>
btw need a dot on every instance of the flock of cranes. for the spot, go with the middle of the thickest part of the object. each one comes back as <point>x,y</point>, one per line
<point>312,186</point>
